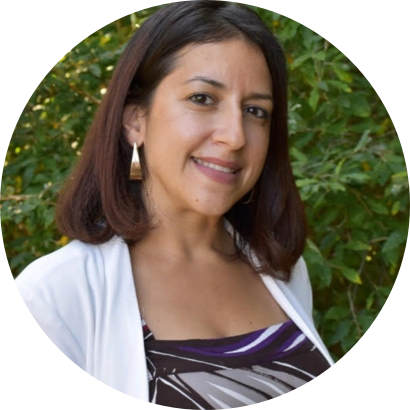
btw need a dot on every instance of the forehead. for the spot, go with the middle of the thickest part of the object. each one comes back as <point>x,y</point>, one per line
<point>232,62</point>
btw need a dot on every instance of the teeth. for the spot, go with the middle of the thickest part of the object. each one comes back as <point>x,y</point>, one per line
<point>214,166</point>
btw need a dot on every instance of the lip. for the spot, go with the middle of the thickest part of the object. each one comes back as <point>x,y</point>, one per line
<point>217,161</point>
<point>215,175</point>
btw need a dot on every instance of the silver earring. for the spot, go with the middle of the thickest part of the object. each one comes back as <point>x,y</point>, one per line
<point>249,200</point>
<point>135,171</point>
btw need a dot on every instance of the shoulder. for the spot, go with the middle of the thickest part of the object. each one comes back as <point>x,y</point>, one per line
<point>65,291</point>
<point>70,267</point>
<point>64,269</point>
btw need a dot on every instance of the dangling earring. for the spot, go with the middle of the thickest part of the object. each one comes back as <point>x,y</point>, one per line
<point>248,201</point>
<point>135,171</point>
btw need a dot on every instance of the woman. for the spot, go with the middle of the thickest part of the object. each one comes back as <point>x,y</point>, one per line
<point>188,268</point>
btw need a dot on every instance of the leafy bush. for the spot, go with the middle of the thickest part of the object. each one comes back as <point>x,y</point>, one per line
<point>346,157</point>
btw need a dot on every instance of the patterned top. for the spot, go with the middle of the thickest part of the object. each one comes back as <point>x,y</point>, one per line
<point>232,371</point>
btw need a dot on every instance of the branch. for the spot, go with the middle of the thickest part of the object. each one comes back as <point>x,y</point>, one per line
<point>353,311</point>
<point>382,239</point>
<point>84,94</point>
<point>361,269</point>
<point>338,226</point>
<point>120,31</point>
<point>18,197</point>
<point>21,198</point>
<point>359,198</point>
<point>370,280</point>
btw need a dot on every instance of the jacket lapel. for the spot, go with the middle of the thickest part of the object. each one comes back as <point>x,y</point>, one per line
<point>286,300</point>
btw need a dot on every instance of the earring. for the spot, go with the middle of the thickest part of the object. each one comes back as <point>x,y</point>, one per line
<point>248,201</point>
<point>135,171</point>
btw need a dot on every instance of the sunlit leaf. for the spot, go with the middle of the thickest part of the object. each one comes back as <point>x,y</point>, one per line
<point>351,275</point>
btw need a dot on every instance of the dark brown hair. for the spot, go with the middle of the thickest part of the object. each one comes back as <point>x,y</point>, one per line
<point>98,201</point>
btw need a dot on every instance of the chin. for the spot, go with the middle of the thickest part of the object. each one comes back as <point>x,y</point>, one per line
<point>212,208</point>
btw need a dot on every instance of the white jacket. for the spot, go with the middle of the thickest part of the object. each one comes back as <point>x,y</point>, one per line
<point>83,297</point>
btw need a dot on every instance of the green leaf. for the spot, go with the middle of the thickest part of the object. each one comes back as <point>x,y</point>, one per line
<point>377,206</point>
<point>393,158</point>
<point>370,301</point>
<point>364,140</point>
<point>321,274</point>
<point>351,275</point>
<point>329,216</point>
<point>341,332</point>
<point>303,182</point>
<point>357,246</point>
<point>337,313</point>
<point>349,341</point>
<point>48,218</point>
<point>329,240</point>
<point>355,177</point>
<point>299,156</point>
<point>314,98</point>
<point>384,292</point>
<point>395,208</point>
<point>337,127</point>
<point>324,166</point>
<point>360,106</point>
<point>17,260</point>
<point>312,246</point>
<point>95,69</point>
<point>340,85</point>
<point>317,317</point>
<point>365,320</point>
<point>303,139</point>
<point>323,86</point>
<point>339,166</point>
<point>300,60</point>
<point>343,75</point>
<point>393,241</point>
<point>336,186</point>
<point>28,175</point>
<point>321,55</point>
<point>400,175</point>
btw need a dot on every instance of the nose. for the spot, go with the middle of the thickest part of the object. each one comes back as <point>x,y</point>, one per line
<point>230,130</point>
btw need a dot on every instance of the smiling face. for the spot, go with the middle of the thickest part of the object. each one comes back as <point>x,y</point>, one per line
<point>206,132</point>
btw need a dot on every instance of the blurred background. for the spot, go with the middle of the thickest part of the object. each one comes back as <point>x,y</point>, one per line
<point>345,153</point>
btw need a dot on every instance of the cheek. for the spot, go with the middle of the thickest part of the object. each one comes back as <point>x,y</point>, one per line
<point>187,133</point>
<point>259,149</point>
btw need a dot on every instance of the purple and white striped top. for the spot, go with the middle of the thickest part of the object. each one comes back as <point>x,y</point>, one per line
<point>230,372</point>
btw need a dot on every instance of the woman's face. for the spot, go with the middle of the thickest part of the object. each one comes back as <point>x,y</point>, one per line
<point>206,132</point>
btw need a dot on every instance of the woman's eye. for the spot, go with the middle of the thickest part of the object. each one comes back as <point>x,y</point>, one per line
<point>257,112</point>
<point>201,99</point>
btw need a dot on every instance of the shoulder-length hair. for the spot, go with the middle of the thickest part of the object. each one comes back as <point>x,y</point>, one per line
<point>98,201</point>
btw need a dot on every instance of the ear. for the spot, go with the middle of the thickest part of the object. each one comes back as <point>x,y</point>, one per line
<point>133,121</point>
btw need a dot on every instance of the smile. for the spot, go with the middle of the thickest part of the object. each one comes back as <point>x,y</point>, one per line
<point>216,172</point>
<point>214,166</point>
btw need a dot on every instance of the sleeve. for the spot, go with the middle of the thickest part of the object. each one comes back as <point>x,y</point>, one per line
<point>51,323</point>
<point>44,295</point>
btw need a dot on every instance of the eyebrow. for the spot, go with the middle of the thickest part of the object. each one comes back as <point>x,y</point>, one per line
<point>221,86</point>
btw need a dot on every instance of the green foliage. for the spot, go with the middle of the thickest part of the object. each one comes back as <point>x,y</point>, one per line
<point>346,157</point>
<point>351,174</point>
